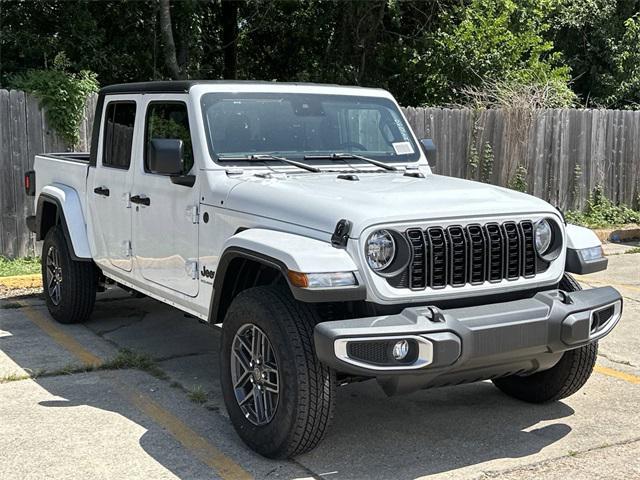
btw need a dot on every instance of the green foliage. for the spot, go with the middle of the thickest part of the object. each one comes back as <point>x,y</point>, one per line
<point>599,40</point>
<point>519,180</point>
<point>19,266</point>
<point>486,167</point>
<point>474,163</point>
<point>498,45</point>
<point>61,93</point>
<point>602,212</point>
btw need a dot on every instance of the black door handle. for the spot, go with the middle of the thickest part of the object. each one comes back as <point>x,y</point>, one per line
<point>101,191</point>
<point>140,200</point>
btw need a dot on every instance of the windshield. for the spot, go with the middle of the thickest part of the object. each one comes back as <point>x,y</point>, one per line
<point>293,125</point>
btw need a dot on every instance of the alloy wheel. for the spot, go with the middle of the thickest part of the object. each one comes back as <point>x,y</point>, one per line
<point>254,373</point>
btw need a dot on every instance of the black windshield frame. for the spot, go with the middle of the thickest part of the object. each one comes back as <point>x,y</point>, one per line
<point>388,109</point>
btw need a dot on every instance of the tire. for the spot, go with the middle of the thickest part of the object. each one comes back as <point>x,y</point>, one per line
<point>563,379</point>
<point>76,281</point>
<point>306,388</point>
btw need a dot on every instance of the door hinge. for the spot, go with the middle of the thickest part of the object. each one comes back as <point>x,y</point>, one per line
<point>193,214</point>
<point>191,267</point>
<point>126,249</point>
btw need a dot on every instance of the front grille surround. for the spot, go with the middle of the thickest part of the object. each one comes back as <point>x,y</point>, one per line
<point>476,253</point>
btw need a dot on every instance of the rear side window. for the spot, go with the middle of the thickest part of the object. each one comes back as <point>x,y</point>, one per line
<point>169,120</point>
<point>118,134</point>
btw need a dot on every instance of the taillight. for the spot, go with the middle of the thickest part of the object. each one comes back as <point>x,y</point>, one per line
<point>30,183</point>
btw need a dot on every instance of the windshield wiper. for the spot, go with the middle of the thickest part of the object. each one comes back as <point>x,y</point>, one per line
<point>264,157</point>
<point>347,156</point>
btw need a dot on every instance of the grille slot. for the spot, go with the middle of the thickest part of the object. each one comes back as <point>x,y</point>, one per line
<point>457,256</point>
<point>512,239</point>
<point>471,254</point>
<point>417,271</point>
<point>437,257</point>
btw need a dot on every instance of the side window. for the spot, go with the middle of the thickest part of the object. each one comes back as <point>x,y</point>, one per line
<point>169,120</point>
<point>118,134</point>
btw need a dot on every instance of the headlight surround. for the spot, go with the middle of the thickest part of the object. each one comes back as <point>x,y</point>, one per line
<point>543,236</point>
<point>380,250</point>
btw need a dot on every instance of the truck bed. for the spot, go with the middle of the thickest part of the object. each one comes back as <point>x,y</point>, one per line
<point>68,168</point>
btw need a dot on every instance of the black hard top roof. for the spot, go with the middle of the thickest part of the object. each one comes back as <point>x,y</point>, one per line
<point>183,86</point>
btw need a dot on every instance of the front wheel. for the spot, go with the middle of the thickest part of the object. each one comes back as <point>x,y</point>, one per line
<point>279,396</point>
<point>69,286</point>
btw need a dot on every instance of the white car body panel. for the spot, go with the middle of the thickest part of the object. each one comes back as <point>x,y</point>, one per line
<point>300,254</point>
<point>579,238</point>
<point>72,208</point>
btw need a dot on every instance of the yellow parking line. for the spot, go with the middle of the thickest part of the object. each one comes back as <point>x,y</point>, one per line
<point>627,377</point>
<point>196,444</point>
<point>199,446</point>
<point>65,341</point>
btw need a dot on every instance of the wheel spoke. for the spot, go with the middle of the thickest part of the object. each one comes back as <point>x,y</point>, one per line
<point>243,379</point>
<point>243,362</point>
<point>247,397</point>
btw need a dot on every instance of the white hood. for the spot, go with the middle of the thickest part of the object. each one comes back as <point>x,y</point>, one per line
<point>319,201</point>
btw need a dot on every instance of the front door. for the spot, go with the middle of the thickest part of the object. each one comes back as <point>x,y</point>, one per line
<point>165,216</point>
<point>108,193</point>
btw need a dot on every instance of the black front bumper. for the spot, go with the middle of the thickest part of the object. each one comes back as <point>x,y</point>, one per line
<point>473,343</point>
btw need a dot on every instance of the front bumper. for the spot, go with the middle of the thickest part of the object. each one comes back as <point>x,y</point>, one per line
<point>469,344</point>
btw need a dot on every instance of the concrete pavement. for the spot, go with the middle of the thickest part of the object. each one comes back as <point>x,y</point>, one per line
<point>131,424</point>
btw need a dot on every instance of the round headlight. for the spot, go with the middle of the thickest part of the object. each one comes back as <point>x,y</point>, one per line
<point>543,235</point>
<point>380,250</point>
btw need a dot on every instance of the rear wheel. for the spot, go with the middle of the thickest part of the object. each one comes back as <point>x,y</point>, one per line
<point>279,396</point>
<point>562,380</point>
<point>69,286</point>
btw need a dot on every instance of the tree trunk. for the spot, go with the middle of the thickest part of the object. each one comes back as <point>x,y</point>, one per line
<point>169,50</point>
<point>230,38</point>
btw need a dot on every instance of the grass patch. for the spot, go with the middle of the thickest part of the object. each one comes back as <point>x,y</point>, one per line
<point>9,305</point>
<point>14,377</point>
<point>197,395</point>
<point>602,213</point>
<point>129,359</point>
<point>19,266</point>
<point>633,250</point>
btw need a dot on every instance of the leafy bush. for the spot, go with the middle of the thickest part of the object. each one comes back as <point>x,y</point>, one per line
<point>602,212</point>
<point>63,95</point>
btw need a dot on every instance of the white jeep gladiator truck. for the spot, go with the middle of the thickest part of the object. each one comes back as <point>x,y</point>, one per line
<point>305,219</point>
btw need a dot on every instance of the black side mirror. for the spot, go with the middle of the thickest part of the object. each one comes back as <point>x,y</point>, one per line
<point>165,156</point>
<point>429,149</point>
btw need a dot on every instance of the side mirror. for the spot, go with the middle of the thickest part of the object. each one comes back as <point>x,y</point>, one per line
<point>429,149</point>
<point>165,156</point>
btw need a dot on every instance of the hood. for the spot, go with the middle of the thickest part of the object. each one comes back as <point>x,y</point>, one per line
<point>319,201</point>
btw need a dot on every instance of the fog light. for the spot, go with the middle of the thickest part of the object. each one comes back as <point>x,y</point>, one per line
<point>400,350</point>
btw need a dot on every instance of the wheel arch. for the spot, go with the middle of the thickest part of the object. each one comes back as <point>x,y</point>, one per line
<point>60,205</point>
<point>256,257</point>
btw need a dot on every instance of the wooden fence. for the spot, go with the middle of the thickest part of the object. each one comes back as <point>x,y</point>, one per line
<point>24,133</point>
<point>561,155</point>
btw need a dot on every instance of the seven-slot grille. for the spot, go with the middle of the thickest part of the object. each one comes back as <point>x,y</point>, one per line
<point>474,254</point>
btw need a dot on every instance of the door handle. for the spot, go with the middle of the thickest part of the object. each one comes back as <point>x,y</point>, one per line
<point>104,191</point>
<point>140,200</point>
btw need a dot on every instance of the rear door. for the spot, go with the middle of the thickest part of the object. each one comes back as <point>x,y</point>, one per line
<point>165,230</point>
<point>108,193</point>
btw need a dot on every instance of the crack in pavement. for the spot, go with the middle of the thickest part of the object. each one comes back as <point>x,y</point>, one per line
<point>619,362</point>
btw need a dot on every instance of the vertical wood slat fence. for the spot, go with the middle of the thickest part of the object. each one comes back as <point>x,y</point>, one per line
<point>566,153</point>
<point>24,133</point>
